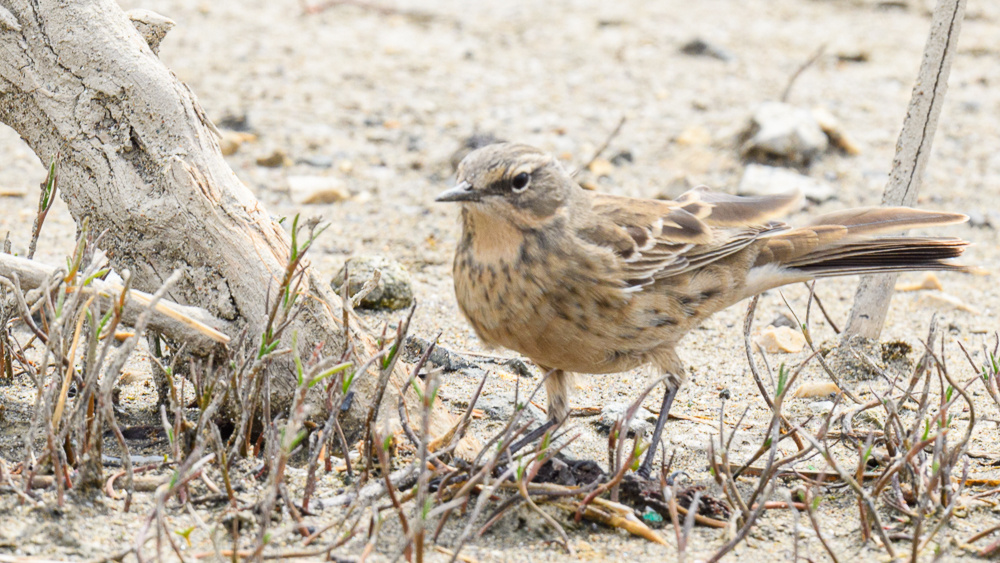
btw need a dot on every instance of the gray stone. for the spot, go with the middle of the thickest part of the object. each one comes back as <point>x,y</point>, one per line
<point>309,190</point>
<point>759,179</point>
<point>783,133</point>
<point>393,291</point>
<point>317,161</point>
<point>989,219</point>
<point>500,406</point>
<point>441,357</point>
<point>613,412</point>
<point>701,48</point>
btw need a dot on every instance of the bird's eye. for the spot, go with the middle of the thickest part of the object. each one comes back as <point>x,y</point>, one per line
<point>520,182</point>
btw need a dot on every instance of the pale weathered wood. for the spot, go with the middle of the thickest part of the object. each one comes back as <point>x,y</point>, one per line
<point>201,332</point>
<point>871,301</point>
<point>137,155</point>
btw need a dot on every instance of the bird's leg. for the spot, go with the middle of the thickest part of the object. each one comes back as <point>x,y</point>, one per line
<point>557,383</point>
<point>673,384</point>
<point>530,437</point>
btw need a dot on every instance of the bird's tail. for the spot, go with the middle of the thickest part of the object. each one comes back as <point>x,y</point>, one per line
<point>845,242</point>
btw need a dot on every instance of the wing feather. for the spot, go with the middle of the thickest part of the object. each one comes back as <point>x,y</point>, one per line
<point>657,239</point>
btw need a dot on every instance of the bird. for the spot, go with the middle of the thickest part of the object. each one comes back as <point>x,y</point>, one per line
<point>583,282</point>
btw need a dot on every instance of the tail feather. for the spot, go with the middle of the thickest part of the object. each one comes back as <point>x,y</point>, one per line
<point>883,255</point>
<point>881,220</point>
<point>842,243</point>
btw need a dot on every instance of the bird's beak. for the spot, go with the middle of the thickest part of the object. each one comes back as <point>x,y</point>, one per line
<point>461,192</point>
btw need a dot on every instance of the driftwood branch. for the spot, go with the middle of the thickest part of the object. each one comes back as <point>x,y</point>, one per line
<point>138,157</point>
<point>193,326</point>
<point>871,301</point>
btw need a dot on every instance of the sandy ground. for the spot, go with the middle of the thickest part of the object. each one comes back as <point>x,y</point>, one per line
<point>380,101</point>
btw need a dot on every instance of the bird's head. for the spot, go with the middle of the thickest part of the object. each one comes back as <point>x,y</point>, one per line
<point>512,181</point>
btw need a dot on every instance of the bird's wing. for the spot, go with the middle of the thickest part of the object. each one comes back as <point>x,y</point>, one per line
<point>725,210</point>
<point>656,239</point>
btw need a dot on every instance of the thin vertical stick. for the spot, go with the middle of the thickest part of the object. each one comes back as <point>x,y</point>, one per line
<point>871,301</point>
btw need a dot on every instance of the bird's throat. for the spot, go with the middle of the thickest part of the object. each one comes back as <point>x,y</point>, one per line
<point>491,239</point>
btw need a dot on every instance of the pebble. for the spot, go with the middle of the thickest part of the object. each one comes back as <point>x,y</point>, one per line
<point>783,319</point>
<point>694,136</point>
<point>700,48</point>
<point>275,159</point>
<point>622,158</point>
<point>613,412</point>
<point>231,141</point>
<point>393,291</point>
<point>309,190</point>
<point>782,132</point>
<point>601,167</point>
<point>317,161</point>
<point>780,340</point>
<point>441,357</point>
<point>760,179</point>
<point>984,220</point>
<point>853,56</point>
<point>835,132</point>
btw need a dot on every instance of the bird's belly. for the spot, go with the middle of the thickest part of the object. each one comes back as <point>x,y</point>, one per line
<point>552,319</point>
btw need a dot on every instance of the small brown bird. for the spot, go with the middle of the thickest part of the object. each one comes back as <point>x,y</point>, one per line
<point>585,282</point>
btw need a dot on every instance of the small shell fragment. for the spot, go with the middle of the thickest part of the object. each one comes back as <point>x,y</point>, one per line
<point>816,389</point>
<point>930,281</point>
<point>780,340</point>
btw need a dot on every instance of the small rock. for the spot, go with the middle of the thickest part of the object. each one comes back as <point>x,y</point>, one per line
<point>231,141</point>
<point>780,340</point>
<point>613,412</point>
<point>815,389</point>
<point>759,179</point>
<point>277,158</point>
<point>930,281</point>
<point>441,357</point>
<point>977,218</point>
<point>393,290</point>
<point>601,167</point>
<point>779,131</point>
<point>308,190</point>
<point>622,158</point>
<point>238,122</point>
<point>694,136</point>
<point>834,132</point>
<point>783,319</point>
<point>500,406</point>
<point>496,406</point>
<point>944,302</point>
<point>988,220</point>
<point>317,161</point>
<point>853,56</point>
<point>700,48</point>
